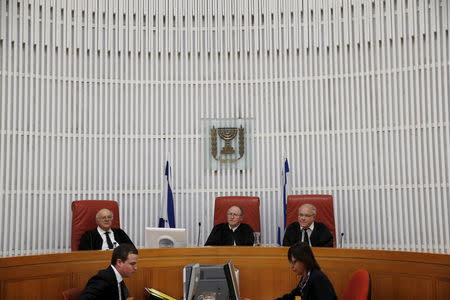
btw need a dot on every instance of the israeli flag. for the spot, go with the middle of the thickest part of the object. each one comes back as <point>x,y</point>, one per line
<point>167,209</point>
<point>285,189</point>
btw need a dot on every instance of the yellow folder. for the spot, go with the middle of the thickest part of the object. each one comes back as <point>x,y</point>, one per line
<point>158,295</point>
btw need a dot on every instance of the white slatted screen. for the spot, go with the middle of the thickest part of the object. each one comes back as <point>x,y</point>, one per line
<point>94,94</point>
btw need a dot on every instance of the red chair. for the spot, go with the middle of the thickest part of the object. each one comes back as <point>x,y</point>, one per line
<point>325,210</point>
<point>250,205</point>
<point>83,217</point>
<point>72,294</point>
<point>358,287</point>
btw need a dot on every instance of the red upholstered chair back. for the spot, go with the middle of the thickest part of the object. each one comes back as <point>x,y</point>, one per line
<point>358,287</point>
<point>250,205</point>
<point>325,210</point>
<point>72,294</point>
<point>83,217</point>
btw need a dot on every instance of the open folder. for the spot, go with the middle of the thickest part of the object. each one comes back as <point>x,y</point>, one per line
<point>155,294</point>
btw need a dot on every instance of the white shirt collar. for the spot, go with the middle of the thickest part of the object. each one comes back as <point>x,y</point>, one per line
<point>311,227</point>
<point>118,276</point>
<point>101,231</point>
<point>119,280</point>
<point>233,229</point>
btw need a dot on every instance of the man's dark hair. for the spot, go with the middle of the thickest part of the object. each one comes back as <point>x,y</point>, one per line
<point>302,252</point>
<point>122,252</point>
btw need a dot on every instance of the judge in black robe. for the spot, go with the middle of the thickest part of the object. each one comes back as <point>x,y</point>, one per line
<point>317,233</point>
<point>103,237</point>
<point>232,233</point>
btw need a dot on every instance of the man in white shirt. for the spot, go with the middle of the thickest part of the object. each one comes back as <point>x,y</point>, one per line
<point>108,283</point>
<point>103,237</point>
<point>316,234</point>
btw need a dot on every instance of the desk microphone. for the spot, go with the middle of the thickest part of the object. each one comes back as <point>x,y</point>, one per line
<point>342,235</point>
<point>198,238</point>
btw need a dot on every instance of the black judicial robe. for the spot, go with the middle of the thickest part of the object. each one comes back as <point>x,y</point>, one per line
<point>320,236</point>
<point>91,240</point>
<point>222,235</point>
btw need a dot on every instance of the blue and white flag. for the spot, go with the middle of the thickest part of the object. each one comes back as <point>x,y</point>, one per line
<point>167,209</point>
<point>285,186</point>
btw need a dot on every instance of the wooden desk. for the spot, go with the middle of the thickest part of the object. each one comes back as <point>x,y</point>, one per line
<point>264,272</point>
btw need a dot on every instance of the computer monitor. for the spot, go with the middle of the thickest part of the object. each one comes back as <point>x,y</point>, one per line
<point>198,279</point>
<point>233,284</point>
<point>156,237</point>
<point>191,279</point>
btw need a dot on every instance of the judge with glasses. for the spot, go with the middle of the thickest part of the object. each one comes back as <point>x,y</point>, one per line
<point>103,237</point>
<point>232,233</point>
<point>315,234</point>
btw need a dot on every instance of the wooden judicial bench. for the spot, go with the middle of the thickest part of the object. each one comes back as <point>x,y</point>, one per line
<point>264,271</point>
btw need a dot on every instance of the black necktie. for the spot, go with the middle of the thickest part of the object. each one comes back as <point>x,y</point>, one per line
<point>108,240</point>
<point>305,237</point>
<point>124,290</point>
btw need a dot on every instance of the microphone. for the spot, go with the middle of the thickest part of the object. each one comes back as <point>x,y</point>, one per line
<point>198,237</point>
<point>342,235</point>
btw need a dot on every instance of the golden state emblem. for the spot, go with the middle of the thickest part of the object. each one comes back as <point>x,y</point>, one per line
<point>227,134</point>
<point>227,143</point>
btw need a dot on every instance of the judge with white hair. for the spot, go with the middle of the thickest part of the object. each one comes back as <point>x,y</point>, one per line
<point>103,237</point>
<point>307,230</point>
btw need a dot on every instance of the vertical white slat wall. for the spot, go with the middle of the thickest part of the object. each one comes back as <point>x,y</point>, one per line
<point>96,95</point>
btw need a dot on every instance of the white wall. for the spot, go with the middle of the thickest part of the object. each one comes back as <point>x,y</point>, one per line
<point>94,94</point>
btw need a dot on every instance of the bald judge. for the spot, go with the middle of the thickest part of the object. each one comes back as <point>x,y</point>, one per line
<point>104,237</point>
<point>232,233</point>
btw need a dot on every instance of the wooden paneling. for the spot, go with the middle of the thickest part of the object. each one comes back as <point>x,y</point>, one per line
<point>259,281</point>
<point>443,288</point>
<point>264,272</point>
<point>162,277</point>
<point>403,286</point>
<point>45,287</point>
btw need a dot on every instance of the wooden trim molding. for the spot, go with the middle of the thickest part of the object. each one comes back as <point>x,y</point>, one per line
<point>264,272</point>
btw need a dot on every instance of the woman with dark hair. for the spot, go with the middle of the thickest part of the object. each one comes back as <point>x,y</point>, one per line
<point>314,284</point>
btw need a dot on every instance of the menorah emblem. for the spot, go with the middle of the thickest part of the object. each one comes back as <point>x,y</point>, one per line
<point>227,134</point>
